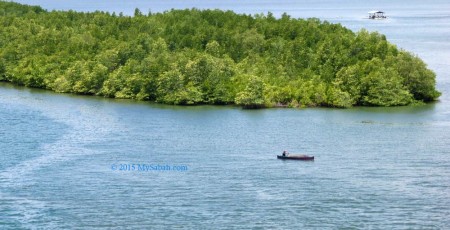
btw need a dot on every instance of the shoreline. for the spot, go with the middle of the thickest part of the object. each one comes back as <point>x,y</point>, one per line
<point>213,57</point>
<point>277,106</point>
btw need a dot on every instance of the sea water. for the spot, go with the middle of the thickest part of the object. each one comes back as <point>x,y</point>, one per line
<point>86,162</point>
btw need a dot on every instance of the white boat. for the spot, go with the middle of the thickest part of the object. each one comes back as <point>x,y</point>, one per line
<point>376,14</point>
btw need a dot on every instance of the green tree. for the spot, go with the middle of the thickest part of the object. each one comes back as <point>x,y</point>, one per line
<point>419,80</point>
<point>253,94</point>
<point>384,88</point>
<point>197,56</point>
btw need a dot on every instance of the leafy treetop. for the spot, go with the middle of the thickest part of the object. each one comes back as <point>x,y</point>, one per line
<point>208,57</point>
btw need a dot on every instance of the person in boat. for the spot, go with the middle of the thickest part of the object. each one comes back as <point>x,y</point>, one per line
<point>285,153</point>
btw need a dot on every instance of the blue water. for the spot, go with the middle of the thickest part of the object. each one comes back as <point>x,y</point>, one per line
<point>378,168</point>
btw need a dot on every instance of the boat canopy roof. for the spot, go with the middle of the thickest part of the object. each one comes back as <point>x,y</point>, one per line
<point>376,12</point>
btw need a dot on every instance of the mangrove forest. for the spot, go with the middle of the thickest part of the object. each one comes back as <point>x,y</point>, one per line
<point>192,57</point>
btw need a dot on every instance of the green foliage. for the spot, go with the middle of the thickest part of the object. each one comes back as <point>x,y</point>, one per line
<point>191,57</point>
<point>384,88</point>
<point>252,96</point>
<point>2,71</point>
<point>419,80</point>
<point>339,98</point>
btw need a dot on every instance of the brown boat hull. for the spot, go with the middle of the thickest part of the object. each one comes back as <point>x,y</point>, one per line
<point>299,158</point>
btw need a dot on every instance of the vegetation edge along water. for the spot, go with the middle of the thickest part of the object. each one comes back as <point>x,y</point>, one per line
<point>192,56</point>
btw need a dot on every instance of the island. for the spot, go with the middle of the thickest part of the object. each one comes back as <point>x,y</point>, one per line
<point>194,57</point>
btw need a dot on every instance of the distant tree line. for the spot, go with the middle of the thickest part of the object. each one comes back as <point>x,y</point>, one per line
<point>190,57</point>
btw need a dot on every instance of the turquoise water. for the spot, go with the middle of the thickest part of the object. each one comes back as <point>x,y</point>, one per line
<point>67,161</point>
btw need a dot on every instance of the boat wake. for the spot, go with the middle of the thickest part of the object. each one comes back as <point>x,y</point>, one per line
<point>20,201</point>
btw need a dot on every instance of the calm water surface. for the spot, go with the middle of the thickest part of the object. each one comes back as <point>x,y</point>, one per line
<point>381,168</point>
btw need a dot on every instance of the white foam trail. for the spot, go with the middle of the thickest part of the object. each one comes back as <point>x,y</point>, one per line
<point>87,123</point>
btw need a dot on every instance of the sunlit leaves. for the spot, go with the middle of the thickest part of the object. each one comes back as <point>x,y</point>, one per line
<point>197,56</point>
<point>253,94</point>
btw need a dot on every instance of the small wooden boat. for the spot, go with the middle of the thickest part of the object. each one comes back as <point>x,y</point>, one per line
<point>300,157</point>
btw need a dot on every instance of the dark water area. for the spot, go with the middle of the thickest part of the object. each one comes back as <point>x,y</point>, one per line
<point>70,161</point>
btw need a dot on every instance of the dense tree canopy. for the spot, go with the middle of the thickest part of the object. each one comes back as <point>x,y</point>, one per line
<point>208,57</point>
